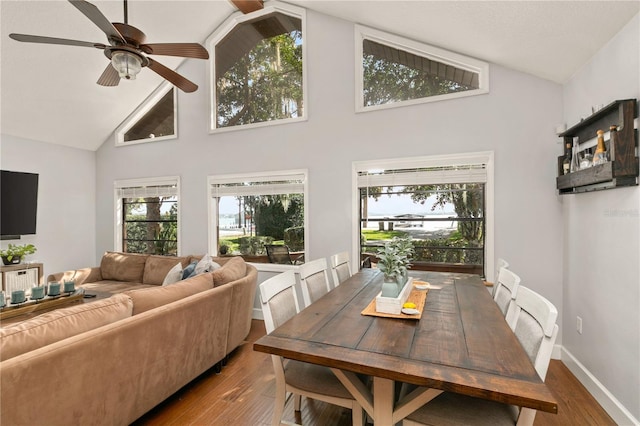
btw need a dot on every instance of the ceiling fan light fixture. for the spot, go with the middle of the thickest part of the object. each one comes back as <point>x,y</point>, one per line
<point>127,64</point>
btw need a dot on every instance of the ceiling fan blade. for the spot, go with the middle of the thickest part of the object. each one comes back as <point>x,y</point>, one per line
<point>185,50</point>
<point>248,6</point>
<point>172,76</point>
<point>94,14</point>
<point>53,40</point>
<point>109,76</point>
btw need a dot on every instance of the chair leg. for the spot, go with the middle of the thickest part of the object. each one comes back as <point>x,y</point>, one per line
<point>281,391</point>
<point>297,402</point>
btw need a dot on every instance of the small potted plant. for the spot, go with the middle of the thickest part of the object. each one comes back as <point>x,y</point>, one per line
<point>394,259</point>
<point>14,254</point>
<point>404,248</point>
<point>390,262</point>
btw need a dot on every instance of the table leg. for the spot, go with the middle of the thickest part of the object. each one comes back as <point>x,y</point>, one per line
<point>383,390</point>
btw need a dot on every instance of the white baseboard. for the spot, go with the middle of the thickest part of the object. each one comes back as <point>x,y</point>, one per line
<point>611,405</point>
<point>257,314</point>
<point>556,353</point>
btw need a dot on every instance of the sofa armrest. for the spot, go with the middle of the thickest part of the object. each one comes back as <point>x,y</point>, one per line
<point>80,276</point>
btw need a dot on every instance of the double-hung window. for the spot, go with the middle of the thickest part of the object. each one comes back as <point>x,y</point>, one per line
<point>442,203</point>
<point>249,211</point>
<point>147,215</point>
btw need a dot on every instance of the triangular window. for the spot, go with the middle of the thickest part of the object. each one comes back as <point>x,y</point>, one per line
<point>154,120</point>
<point>393,71</point>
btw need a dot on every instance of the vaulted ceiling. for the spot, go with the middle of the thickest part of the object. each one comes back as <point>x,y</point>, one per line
<point>48,92</point>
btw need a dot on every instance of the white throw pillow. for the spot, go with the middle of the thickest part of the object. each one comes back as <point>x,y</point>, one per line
<point>174,275</point>
<point>206,264</point>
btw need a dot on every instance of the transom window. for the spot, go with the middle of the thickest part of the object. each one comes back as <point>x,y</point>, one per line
<point>154,120</point>
<point>393,71</point>
<point>441,207</point>
<point>258,69</point>
<point>251,211</point>
<point>147,216</point>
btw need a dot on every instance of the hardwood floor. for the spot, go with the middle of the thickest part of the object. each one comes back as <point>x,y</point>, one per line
<point>242,394</point>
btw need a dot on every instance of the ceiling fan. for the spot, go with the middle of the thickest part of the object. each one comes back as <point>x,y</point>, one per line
<point>127,49</point>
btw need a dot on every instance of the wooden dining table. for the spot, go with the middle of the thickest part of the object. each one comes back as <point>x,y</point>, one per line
<point>461,344</point>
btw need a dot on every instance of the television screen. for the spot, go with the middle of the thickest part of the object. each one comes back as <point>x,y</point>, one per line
<point>18,203</point>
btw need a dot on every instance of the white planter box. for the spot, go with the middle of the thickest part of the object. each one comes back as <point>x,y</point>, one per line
<point>393,305</point>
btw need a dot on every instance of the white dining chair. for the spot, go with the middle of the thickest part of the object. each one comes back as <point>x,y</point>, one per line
<point>340,269</point>
<point>280,303</point>
<point>501,263</point>
<point>536,329</point>
<point>314,280</point>
<point>506,293</point>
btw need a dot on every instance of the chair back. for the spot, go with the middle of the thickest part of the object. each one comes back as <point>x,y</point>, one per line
<point>340,269</point>
<point>535,326</point>
<point>314,280</point>
<point>278,254</point>
<point>279,300</point>
<point>506,291</point>
<point>501,263</point>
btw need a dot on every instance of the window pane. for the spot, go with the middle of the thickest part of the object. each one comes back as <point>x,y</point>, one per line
<point>259,71</point>
<point>394,75</point>
<point>247,223</point>
<point>150,225</point>
<point>445,222</point>
<point>159,121</point>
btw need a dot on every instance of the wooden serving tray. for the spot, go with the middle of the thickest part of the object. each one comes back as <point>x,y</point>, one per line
<point>48,303</point>
<point>416,296</point>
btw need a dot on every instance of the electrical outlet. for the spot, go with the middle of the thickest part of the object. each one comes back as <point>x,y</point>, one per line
<point>579,325</point>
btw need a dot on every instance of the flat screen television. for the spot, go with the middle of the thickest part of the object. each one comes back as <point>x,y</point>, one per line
<point>18,203</point>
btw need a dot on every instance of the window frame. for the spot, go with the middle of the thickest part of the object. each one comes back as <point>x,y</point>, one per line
<point>139,183</point>
<point>253,176</point>
<point>484,157</point>
<point>420,49</point>
<point>143,109</point>
<point>222,31</point>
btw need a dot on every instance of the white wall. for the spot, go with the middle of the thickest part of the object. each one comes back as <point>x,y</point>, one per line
<point>65,236</point>
<point>516,120</point>
<point>602,247</point>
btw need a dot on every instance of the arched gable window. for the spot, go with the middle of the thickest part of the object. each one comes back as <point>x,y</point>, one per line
<point>257,71</point>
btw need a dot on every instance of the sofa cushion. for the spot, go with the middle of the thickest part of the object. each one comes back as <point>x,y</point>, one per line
<point>149,298</point>
<point>206,264</point>
<point>189,271</point>
<point>113,287</point>
<point>62,323</point>
<point>174,275</point>
<point>156,268</point>
<point>123,266</point>
<point>233,269</point>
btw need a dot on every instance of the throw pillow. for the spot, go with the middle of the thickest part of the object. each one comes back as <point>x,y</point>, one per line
<point>206,264</point>
<point>174,275</point>
<point>189,270</point>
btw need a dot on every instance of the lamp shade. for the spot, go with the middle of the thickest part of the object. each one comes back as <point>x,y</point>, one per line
<point>127,64</point>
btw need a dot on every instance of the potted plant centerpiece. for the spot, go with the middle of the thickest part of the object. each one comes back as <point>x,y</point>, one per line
<point>404,247</point>
<point>393,261</point>
<point>14,254</point>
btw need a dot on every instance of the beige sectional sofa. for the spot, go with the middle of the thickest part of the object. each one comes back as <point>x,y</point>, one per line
<point>112,360</point>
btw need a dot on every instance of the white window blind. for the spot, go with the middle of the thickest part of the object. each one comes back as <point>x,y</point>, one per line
<point>463,173</point>
<point>266,185</point>
<point>162,187</point>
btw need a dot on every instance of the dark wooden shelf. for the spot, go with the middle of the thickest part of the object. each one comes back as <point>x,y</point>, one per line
<point>622,170</point>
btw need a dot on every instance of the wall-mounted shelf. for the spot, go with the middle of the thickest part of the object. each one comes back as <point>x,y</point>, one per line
<point>622,170</point>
